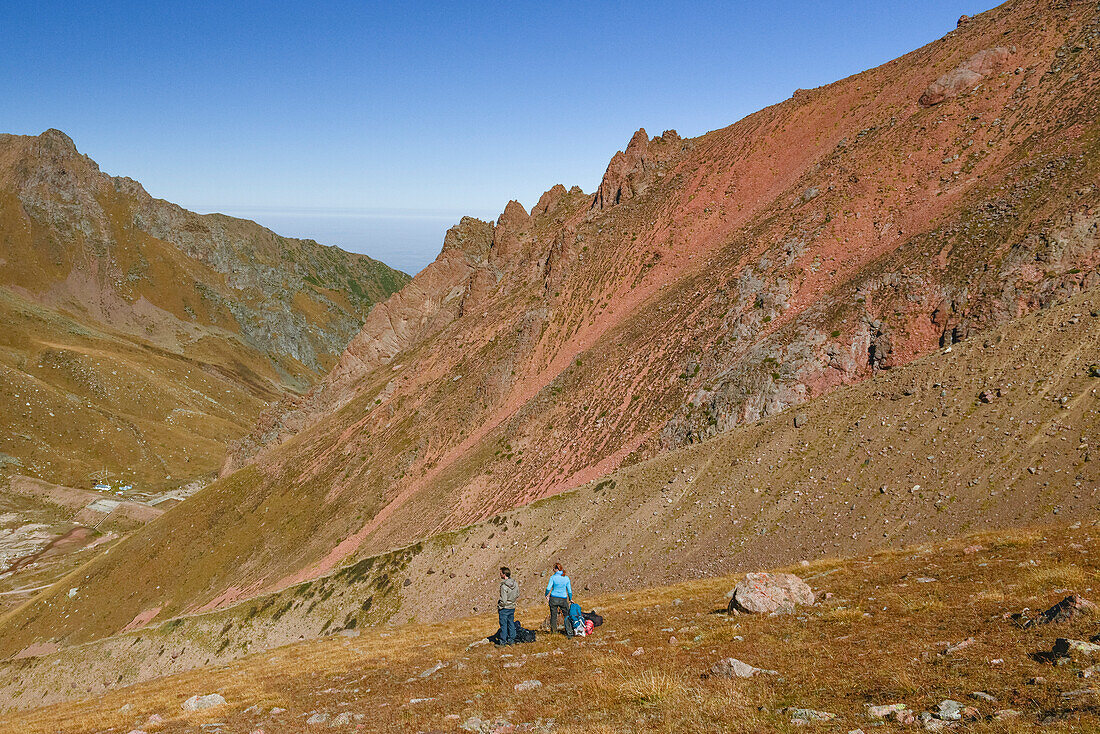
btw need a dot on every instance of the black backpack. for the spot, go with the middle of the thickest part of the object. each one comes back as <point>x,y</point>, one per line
<point>522,635</point>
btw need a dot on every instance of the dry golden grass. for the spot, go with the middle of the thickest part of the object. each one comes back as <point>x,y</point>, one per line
<point>838,656</point>
<point>1066,575</point>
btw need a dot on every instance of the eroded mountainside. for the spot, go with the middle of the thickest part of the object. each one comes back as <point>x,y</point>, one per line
<point>140,337</point>
<point>998,432</point>
<point>708,282</point>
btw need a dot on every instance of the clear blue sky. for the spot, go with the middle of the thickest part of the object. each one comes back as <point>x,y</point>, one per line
<point>438,108</point>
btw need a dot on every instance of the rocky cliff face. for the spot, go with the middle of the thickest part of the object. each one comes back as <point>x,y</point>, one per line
<point>706,284</point>
<point>132,322</point>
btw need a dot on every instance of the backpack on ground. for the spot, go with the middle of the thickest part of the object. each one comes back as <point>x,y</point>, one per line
<point>594,618</point>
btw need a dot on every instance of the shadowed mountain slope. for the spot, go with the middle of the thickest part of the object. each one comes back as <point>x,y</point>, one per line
<point>708,283</point>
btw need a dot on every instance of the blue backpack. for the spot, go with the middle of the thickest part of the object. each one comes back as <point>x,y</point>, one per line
<point>576,614</point>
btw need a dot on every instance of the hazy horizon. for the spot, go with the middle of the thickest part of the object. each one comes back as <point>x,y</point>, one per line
<point>406,239</point>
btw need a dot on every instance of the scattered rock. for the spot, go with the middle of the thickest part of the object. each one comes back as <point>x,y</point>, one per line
<point>801,716</point>
<point>770,593</point>
<point>1005,714</point>
<point>422,700</point>
<point>949,710</point>
<point>734,668</point>
<point>1071,608</point>
<point>881,711</point>
<point>983,696</point>
<point>433,670</point>
<point>952,649</point>
<point>343,719</point>
<point>317,718</point>
<point>637,652</point>
<point>198,703</point>
<point>528,685</point>
<point>931,723</point>
<point>905,717</point>
<point>1064,647</point>
<point>348,633</point>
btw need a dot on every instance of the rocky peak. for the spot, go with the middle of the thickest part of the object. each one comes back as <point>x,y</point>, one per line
<point>56,141</point>
<point>506,242</point>
<point>514,217</point>
<point>472,237</point>
<point>549,201</point>
<point>633,170</point>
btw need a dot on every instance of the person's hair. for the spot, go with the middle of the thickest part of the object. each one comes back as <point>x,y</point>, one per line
<point>557,567</point>
<point>506,571</point>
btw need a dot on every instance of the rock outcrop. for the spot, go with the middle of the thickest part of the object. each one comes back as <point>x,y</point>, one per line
<point>966,75</point>
<point>635,169</point>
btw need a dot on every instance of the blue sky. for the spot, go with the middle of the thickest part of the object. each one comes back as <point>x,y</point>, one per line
<point>411,109</point>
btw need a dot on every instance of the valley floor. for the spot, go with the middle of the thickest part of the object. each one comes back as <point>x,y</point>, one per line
<point>879,634</point>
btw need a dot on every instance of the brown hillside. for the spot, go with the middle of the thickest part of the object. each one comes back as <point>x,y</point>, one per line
<point>143,336</point>
<point>710,282</point>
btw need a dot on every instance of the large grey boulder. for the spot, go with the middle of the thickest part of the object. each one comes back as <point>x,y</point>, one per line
<point>734,668</point>
<point>769,593</point>
<point>198,703</point>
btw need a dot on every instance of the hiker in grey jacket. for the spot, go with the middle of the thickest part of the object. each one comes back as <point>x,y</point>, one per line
<point>506,607</point>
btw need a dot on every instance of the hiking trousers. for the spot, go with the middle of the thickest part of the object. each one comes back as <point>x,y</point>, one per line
<point>560,604</point>
<point>507,626</point>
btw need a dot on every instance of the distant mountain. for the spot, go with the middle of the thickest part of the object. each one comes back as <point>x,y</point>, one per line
<point>706,284</point>
<point>140,337</point>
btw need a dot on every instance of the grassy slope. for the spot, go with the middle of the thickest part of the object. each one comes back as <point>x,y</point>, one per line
<point>763,495</point>
<point>76,398</point>
<point>876,636</point>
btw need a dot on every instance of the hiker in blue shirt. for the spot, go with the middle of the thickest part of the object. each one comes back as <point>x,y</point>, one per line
<point>560,593</point>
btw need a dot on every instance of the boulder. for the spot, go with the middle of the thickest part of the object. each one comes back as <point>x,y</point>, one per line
<point>965,76</point>
<point>198,703</point>
<point>949,710</point>
<point>1064,647</point>
<point>734,668</point>
<point>801,716</point>
<point>1067,610</point>
<point>769,593</point>
<point>881,711</point>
